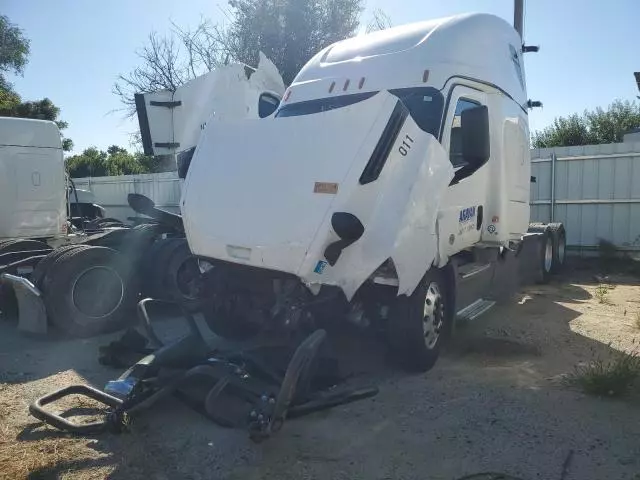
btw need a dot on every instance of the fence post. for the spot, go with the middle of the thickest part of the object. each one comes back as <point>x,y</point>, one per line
<point>553,187</point>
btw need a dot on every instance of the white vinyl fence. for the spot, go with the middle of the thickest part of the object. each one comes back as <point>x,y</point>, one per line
<point>111,192</point>
<point>594,190</point>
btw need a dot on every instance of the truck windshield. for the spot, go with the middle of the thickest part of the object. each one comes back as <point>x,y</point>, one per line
<point>424,103</point>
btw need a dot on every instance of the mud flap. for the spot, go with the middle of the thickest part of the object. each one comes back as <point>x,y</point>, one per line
<point>506,279</point>
<point>32,315</point>
<point>529,259</point>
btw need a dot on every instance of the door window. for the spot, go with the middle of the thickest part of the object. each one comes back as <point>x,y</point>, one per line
<point>455,145</point>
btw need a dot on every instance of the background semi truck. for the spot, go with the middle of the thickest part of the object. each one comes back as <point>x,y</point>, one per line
<point>67,264</point>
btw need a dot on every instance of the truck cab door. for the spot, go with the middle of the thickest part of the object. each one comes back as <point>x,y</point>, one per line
<point>462,214</point>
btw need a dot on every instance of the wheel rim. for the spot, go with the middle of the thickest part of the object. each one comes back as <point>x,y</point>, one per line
<point>433,315</point>
<point>562,244</point>
<point>97,292</point>
<point>548,255</point>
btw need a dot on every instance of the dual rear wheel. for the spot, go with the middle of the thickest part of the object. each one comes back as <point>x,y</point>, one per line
<point>553,245</point>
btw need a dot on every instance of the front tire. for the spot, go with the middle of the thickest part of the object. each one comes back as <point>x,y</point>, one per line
<point>419,323</point>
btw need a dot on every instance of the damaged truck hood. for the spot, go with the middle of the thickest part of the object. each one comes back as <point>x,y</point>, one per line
<point>171,122</point>
<point>262,193</point>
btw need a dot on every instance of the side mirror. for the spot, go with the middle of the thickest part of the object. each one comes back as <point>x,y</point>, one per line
<point>474,123</point>
<point>267,104</point>
<point>349,228</point>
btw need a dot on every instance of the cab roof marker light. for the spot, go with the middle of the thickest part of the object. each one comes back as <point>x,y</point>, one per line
<point>346,85</point>
<point>361,84</point>
<point>333,85</point>
<point>425,76</point>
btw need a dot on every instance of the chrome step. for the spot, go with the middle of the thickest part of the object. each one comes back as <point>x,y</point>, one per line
<point>475,309</point>
<point>472,270</point>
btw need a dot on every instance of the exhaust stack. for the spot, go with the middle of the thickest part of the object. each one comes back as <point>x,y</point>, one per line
<point>518,16</point>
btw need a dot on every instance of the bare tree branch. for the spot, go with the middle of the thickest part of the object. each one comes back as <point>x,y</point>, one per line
<point>379,21</point>
<point>289,32</point>
<point>162,67</point>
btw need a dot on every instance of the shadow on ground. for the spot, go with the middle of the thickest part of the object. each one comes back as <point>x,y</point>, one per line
<point>487,406</point>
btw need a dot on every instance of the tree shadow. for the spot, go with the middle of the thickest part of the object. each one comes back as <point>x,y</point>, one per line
<point>54,471</point>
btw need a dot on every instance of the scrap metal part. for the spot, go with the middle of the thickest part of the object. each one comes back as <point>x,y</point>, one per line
<point>33,315</point>
<point>243,390</point>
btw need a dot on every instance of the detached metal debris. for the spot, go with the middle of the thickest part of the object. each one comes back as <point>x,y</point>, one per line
<point>254,385</point>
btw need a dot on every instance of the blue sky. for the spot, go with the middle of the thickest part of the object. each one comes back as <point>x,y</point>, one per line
<point>78,48</point>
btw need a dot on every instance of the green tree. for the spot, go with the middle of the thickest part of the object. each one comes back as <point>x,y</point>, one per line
<point>592,127</point>
<point>289,32</point>
<point>41,109</point>
<point>90,163</point>
<point>14,55</point>
<point>14,51</point>
<point>115,161</point>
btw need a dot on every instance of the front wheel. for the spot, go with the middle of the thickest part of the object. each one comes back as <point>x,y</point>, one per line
<point>419,323</point>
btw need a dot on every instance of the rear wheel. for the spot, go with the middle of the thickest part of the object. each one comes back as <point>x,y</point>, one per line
<point>10,246</point>
<point>420,323</point>
<point>559,237</point>
<point>154,266</point>
<point>91,291</point>
<point>546,255</point>
<point>40,271</point>
<point>182,281</point>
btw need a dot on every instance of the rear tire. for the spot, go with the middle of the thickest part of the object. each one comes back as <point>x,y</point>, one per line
<point>21,245</point>
<point>91,291</point>
<point>182,276</point>
<point>559,237</point>
<point>42,267</point>
<point>419,323</point>
<point>155,265</point>
<point>546,255</point>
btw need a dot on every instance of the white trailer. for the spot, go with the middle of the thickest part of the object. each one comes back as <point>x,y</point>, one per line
<point>392,184</point>
<point>36,197</point>
<point>32,181</point>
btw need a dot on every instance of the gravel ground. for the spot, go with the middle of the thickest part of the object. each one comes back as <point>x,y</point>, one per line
<point>494,402</point>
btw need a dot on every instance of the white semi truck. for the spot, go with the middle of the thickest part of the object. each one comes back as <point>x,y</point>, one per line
<point>36,198</point>
<point>391,185</point>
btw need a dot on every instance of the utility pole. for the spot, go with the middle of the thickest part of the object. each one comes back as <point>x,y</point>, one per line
<point>518,16</point>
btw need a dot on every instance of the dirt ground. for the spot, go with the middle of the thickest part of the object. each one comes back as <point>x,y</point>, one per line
<point>494,402</point>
